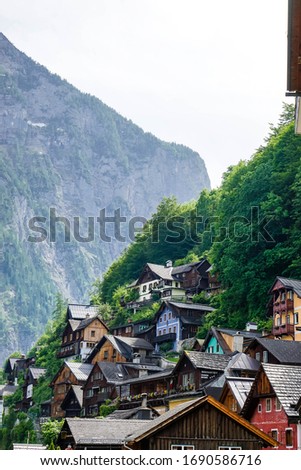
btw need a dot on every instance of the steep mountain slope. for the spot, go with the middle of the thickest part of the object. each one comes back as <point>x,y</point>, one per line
<point>65,154</point>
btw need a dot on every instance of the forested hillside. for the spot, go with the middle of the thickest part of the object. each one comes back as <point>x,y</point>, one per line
<point>249,229</point>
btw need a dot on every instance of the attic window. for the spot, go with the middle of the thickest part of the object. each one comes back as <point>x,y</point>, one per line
<point>92,333</point>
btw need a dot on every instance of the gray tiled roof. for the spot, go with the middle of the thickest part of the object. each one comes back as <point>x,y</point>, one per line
<point>80,312</point>
<point>103,431</point>
<point>80,370</point>
<point>185,268</point>
<point>149,377</point>
<point>286,382</point>
<point>240,387</point>
<point>161,271</point>
<point>242,361</point>
<point>37,372</point>
<point>186,306</point>
<point>204,360</point>
<point>112,371</point>
<point>293,284</point>
<point>286,352</point>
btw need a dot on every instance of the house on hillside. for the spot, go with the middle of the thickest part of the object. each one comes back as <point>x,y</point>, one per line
<point>226,341</point>
<point>31,378</point>
<point>202,424</point>
<point>70,373</point>
<point>285,308</point>
<point>171,282</point>
<point>123,349</point>
<point>72,404</point>
<point>235,392</point>
<point>80,336</point>
<point>272,404</point>
<point>275,351</point>
<point>177,321</point>
<point>131,328</point>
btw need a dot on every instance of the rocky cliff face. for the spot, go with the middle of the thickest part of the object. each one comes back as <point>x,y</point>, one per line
<point>65,159</point>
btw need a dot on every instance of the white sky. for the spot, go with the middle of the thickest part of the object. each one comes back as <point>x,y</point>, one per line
<point>209,74</point>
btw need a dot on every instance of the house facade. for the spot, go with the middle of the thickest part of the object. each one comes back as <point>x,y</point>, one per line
<point>80,337</point>
<point>177,321</point>
<point>285,308</point>
<point>226,341</point>
<point>272,404</point>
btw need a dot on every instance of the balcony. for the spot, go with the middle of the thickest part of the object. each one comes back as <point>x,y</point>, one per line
<point>67,351</point>
<point>166,337</point>
<point>286,329</point>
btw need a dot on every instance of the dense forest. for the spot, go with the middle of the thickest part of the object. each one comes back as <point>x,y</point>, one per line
<point>248,228</point>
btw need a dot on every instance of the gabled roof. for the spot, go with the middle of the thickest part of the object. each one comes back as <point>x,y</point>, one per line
<point>37,372</point>
<point>288,283</point>
<point>286,383</point>
<point>187,306</point>
<point>206,361</point>
<point>78,393</point>
<point>80,312</point>
<point>242,361</point>
<point>123,344</point>
<point>286,352</point>
<point>217,333</point>
<point>113,372</point>
<point>185,268</point>
<point>148,378</point>
<point>80,370</point>
<point>86,322</point>
<point>240,388</point>
<point>189,407</point>
<point>89,431</point>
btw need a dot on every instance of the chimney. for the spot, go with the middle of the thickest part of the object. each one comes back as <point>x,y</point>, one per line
<point>144,412</point>
<point>168,264</point>
<point>238,341</point>
<point>136,358</point>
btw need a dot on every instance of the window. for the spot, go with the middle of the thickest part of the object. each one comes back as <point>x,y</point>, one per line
<point>169,315</point>
<point>282,296</point>
<point>265,356</point>
<point>289,437</point>
<point>290,294</point>
<point>268,406</point>
<point>92,333</point>
<point>161,319</point>
<point>257,356</point>
<point>174,329</point>
<point>144,288</point>
<point>217,348</point>
<point>89,393</point>
<point>164,316</point>
<point>229,448</point>
<point>106,354</point>
<point>278,405</point>
<point>274,434</point>
<point>259,408</point>
<point>181,447</point>
<point>296,318</point>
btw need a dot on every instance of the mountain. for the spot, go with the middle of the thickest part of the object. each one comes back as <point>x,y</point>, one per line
<point>67,163</point>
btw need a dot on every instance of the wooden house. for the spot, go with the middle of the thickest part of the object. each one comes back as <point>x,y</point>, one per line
<point>272,404</point>
<point>80,337</point>
<point>71,373</point>
<point>275,351</point>
<point>226,341</point>
<point>122,349</point>
<point>131,329</point>
<point>202,424</point>
<point>177,321</point>
<point>285,307</point>
<point>72,404</point>
<point>31,378</point>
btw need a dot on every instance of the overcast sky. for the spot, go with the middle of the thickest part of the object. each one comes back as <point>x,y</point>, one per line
<point>209,74</point>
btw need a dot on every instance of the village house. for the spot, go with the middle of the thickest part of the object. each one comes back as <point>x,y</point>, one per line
<point>80,336</point>
<point>235,392</point>
<point>275,351</point>
<point>31,378</point>
<point>70,373</point>
<point>168,282</point>
<point>285,308</point>
<point>15,367</point>
<point>123,349</point>
<point>272,404</point>
<point>177,321</point>
<point>226,341</point>
<point>202,424</point>
<point>130,328</point>
<point>72,405</point>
